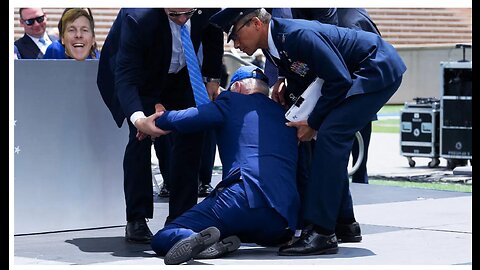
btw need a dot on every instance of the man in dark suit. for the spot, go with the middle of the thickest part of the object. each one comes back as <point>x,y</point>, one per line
<point>143,64</point>
<point>35,41</point>
<point>361,72</point>
<point>257,199</point>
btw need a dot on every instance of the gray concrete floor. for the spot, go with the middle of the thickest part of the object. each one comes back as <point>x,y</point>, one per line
<point>400,226</point>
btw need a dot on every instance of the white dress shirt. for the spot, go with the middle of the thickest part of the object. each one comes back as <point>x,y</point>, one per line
<point>178,57</point>
<point>271,45</point>
<point>40,45</point>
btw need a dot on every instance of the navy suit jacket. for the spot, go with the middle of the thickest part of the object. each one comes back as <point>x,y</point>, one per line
<point>28,49</point>
<point>324,15</point>
<point>356,18</point>
<point>353,18</point>
<point>136,56</point>
<point>351,62</point>
<point>254,145</point>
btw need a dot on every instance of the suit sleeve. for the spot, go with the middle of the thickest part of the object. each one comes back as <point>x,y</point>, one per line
<point>323,15</point>
<point>129,64</point>
<point>212,40</point>
<point>194,119</point>
<point>356,18</point>
<point>326,62</point>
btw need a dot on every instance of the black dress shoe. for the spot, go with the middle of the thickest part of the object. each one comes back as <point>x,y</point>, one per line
<point>204,190</point>
<point>311,243</point>
<point>164,192</point>
<point>348,233</point>
<point>137,231</point>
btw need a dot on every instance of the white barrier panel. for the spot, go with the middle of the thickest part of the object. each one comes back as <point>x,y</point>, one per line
<point>68,151</point>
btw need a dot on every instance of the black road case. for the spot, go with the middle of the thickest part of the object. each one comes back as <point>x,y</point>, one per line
<point>419,130</point>
<point>456,113</point>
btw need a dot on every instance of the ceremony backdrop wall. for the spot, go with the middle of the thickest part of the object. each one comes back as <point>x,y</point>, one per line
<point>68,151</point>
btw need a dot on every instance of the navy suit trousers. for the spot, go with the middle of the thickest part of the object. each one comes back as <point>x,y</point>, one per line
<point>227,209</point>
<point>327,195</point>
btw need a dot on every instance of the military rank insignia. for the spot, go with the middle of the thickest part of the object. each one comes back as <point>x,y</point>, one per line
<point>299,68</point>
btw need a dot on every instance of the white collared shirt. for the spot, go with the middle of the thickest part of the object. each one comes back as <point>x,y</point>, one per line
<point>271,45</point>
<point>178,58</point>
<point>41,46</point>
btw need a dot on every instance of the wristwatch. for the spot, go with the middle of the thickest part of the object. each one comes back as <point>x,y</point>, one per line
<point>208,79</point>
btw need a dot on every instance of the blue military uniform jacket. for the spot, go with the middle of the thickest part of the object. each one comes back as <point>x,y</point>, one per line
<point>245,126</point>
<point>137,53</point>
<point>351,62</point>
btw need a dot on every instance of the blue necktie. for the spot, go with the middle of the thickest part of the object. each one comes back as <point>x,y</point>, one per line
<point>42,41</point>
<point>199,89</point>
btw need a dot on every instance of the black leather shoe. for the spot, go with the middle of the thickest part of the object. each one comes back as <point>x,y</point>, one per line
<point>311,243</point>
<point>348,233</point>
<point>220,249</point>
<point>187,248</point>
<point>138,231</point>
<point>164,192</point>
<point>204,190</point>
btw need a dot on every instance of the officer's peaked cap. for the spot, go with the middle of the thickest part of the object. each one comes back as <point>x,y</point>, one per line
<point>228,17</point>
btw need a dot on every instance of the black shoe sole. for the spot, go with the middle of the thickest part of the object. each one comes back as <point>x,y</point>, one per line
<point>348,233</point>
<point>320,252</point>
<point>136,241</point>
<point>350,239</point>
<point>220,249</point>
<point>185,249</point>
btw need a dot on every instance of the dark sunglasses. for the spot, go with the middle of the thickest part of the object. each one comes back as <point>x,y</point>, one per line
<point>39,19</point>
<point>178,14</point>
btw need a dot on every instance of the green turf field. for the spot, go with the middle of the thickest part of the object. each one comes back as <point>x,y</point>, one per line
<point>388,125</point>
<point>427,185</point>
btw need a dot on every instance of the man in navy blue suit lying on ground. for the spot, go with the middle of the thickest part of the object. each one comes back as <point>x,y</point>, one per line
<point>257,200</point>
